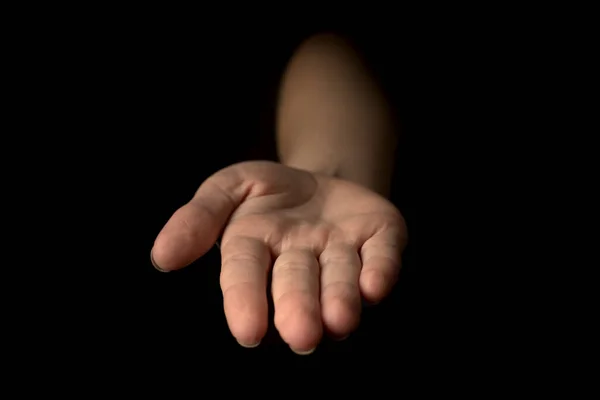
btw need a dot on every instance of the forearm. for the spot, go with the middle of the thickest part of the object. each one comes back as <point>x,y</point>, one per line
<point>332,118</point>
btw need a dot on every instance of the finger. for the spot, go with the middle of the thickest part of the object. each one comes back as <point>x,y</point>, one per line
<point>340,294</point>
<point>381,263</point>
<point>295,289</point>
<point>195,227</point>
<point>244,271</point>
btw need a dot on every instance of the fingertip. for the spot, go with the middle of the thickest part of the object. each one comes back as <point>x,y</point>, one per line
<point>374,285</point>
<point>341,316</point>
<point>340,339</point>
<point>250,345</point>
<point>163,258</point>
<point>304,352</point>
<point>249,338</point>
<point>302,330</point>
<point>188,235</point>
<point>247,316</point>
<point>154,264</point>
<point>248,335</point>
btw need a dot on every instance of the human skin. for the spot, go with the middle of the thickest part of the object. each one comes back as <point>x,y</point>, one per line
<point>318,221</point>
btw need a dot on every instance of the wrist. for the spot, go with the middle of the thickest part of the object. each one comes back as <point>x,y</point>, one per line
<point>327,168</point>
<point>373,174</point>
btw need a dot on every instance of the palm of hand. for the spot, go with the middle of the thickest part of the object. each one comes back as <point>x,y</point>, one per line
<point>326,241</point>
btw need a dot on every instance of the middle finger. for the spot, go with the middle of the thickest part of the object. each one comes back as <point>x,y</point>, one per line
<point>295,289</point>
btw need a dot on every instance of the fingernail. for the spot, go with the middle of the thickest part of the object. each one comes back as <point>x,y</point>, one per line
<point>304,352</point>
<point>366,303</point>
<point>154,263</point>
<point>249,346</point>
<point>339,339</point>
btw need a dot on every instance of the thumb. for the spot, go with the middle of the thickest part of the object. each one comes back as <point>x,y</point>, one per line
<point>194,228</point>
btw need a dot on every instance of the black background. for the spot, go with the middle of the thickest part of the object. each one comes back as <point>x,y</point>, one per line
<point>154,107</point>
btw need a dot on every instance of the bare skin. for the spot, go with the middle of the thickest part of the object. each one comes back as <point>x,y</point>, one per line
<point>318,221</point>
<point>328,241</point>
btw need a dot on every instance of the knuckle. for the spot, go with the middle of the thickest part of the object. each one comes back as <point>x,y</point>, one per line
<point>337,254</point>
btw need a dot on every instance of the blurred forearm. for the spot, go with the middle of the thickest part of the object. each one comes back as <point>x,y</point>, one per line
<point>332,118</point>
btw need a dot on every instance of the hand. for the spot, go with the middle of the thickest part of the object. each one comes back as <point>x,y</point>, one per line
<point>326,240</point>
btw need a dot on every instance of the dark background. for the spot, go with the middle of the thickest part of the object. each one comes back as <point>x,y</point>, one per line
<point>157,107</point>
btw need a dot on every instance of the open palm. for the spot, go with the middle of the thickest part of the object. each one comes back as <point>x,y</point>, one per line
<point>326,241</point>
